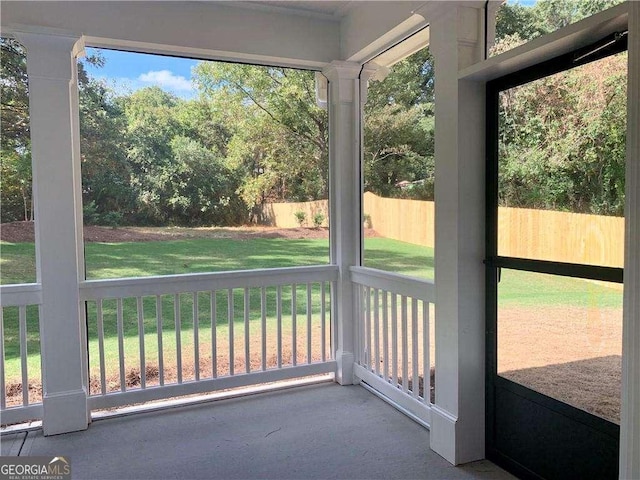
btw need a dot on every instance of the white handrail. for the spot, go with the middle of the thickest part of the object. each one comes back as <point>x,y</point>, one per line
<point>412,287</point>
<point>195,282</point>
<point>20,295</point>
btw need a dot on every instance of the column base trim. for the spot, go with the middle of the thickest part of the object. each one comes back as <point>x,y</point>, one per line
<point>344,369</point>
<point>443,433</point>
<point>65,412</point>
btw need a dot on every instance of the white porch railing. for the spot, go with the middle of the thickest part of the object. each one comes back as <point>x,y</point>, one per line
<point>20,372</point>
<point>394,354</point>
<point>161,337</point>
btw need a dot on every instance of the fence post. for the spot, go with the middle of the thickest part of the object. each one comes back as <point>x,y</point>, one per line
<point>53,108</point>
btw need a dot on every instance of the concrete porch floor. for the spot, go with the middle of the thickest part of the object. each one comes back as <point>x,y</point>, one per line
<point>321,431</point>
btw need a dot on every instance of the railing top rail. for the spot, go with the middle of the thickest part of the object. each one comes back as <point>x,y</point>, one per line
<point>20,294</point>
<point>406,285</point>
<point>197,282</point>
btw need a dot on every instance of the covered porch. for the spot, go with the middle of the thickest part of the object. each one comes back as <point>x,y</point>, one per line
<point>377,334</point>
<point>317,431</point>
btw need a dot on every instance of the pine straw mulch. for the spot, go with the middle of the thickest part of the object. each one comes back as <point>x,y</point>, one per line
<point>133,378</point>
<point>570,353</point>
<point>17,232</point>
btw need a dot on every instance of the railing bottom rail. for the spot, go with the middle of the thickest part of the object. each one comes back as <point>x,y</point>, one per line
<point>118,399</point>
<point>411,407</point>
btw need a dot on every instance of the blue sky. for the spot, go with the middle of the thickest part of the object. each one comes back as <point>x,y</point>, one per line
<point>127,72</point>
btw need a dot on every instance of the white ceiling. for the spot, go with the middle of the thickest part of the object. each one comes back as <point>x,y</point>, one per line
<point>327,9</point>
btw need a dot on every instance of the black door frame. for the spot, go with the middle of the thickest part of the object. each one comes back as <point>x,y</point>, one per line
<point>560,427</point>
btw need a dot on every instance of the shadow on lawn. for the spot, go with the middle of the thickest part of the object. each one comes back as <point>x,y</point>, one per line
<point>414,264</point>
<point>202,255</point>
<point>18,263</point>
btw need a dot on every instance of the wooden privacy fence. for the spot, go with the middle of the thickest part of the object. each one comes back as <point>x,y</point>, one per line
<point>526,233</point>
<point>561,236</point>
<point>283,215</point>
<point>409,221</point>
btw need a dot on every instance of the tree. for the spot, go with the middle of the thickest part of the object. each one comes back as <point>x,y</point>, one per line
<point>278,135</point>
<point>410,82</point>
<point>178,171</point>
<point>562,138</point>
<point>15,143</point>
<point>515,20</point>
<point>399,146</point>
<point>106,173</point>
<point>200,189</point>
<point>150,126</point>
<point>526,23</point>
<point>399,129</point>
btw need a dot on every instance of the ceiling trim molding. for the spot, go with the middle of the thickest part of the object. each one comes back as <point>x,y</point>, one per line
<point>300,12</point>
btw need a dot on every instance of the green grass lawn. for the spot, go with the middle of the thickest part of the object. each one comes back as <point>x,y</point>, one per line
<point>137,259</point>
<point>210,255</point>
<point>537,289</point>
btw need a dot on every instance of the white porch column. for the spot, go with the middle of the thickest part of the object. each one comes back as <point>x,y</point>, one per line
<point>52,71</point>
<point>630,415</point>
<point>458,416</point>
<point>344,196</point>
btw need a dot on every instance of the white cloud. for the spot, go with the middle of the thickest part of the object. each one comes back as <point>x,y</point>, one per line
<point>167,80</point>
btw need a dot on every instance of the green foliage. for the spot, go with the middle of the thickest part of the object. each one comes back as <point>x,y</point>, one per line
<point>278,135</point>
<point>93,216</point>
<point>301,217</point>
<point>178,173</point>
<point>112,219</point>
<point>562,140</point>
<point>318,219</point>
<point>15,186</point>
<point>90,213</point>
<point>15,144</point>
<point>399,128</point>
<point>398,146</point>
<point>545,16</point>
<point>255,135</point>
<point>513,19</point>
<point>410,82</point>
<point>106,172</point>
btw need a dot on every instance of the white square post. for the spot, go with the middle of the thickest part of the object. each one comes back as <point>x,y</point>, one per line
<point>458,416</point>
<point>344,200</point>
<point>630,414</point>
<point>53,108</point>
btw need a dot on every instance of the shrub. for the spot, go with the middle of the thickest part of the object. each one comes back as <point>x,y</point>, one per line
<point>301,217</point>
<point>90,213</point>
<point>111,219</point>
<point>318,218</point>
<point>92,216</point>
<point>367,220</point>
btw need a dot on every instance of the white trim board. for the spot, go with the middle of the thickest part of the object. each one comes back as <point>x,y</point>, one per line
<point>565,40</point>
